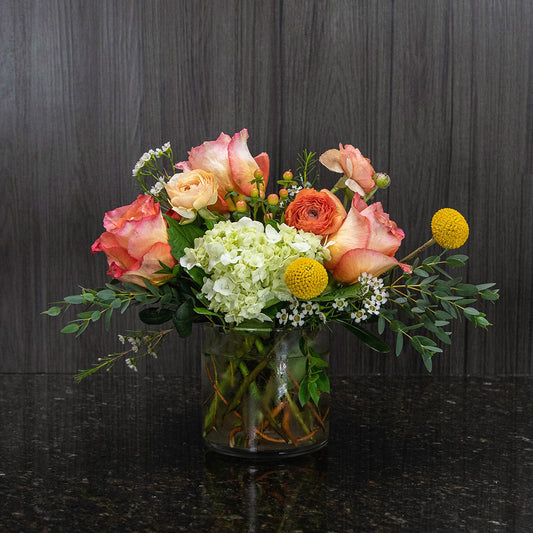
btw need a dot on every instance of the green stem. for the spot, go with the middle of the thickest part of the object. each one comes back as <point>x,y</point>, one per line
<point>246,383</point>
<point>297,414</point>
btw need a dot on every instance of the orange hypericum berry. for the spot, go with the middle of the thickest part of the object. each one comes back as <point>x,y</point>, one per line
<point>287,175</point>
<point>273,199</point>
<point>241,206</point>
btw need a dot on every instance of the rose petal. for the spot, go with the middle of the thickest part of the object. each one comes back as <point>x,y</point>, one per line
<point>385,236</point>
<point>354,233</point>
<point>354,262</point>
<point>212,156</point>
<point>241,162</point>
<point>150,263</point>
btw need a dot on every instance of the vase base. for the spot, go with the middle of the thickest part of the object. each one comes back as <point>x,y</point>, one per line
<point>264,455</point>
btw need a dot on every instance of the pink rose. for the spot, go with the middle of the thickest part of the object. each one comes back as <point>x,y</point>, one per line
<point>350,162</point>
<point>190,191</point>
<point>366,242</point>
<point>135,241</point>
<point>232,165</point>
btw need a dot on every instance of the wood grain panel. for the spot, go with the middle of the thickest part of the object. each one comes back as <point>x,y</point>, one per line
<point>435,92</point>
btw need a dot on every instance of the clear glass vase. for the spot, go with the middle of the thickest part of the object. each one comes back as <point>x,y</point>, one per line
<point>251,397</point>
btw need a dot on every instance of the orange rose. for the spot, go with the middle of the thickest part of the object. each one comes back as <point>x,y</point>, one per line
<point>135,241</point>
<point>190,191</point>
<point>318,212</point>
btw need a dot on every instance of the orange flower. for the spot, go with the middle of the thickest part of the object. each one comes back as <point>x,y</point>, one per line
<point>318,212</point>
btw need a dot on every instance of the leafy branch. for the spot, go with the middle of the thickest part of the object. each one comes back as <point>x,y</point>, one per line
<point>431,302</point>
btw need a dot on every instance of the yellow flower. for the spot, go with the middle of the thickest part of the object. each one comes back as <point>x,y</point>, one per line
<point>449,228</point>
<point>306,278</point>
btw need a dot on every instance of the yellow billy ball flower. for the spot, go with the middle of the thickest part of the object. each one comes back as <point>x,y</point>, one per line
<point>449,228</point>
<point>306,278</point>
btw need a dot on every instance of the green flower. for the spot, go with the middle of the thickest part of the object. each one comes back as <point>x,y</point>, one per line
<point>245,262</point>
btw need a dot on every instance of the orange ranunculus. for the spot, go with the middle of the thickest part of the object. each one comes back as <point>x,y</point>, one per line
<point>190,191</point>
<point>366,242</point>
<point>232,165</point>
<point>318,212</point>
<point>350,162</point>
<point>135,242</point>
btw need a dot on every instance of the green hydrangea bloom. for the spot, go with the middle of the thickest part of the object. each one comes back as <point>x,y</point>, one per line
<point>246,262</point>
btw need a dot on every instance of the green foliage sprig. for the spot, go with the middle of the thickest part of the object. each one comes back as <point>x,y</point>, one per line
<point>430,298</point>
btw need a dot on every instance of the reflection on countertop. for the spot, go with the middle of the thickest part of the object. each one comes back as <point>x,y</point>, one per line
<point>125,453</point>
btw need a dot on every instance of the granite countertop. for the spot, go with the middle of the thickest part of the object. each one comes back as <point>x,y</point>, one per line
<point>124,453</point>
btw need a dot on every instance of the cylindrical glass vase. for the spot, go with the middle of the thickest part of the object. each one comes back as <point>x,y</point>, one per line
<point>265,393</point>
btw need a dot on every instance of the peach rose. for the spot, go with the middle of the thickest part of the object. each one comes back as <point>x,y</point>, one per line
<point>318,212</point>
<point>232,165</point>
<point>135,242</point>
<point>366,242</point>
<point>350,162</point>
<point>190,191</point>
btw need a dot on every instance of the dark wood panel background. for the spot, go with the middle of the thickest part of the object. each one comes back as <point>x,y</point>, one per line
<point>436,92</point>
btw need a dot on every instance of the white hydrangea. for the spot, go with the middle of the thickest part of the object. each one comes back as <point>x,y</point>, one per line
<point>246,262</point>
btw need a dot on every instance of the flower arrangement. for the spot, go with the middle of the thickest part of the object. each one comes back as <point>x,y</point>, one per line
<point>204,242</point>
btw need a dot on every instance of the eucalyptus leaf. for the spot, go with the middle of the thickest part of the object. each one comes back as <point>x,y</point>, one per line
<point>71,328</point>
<point>76,299</point>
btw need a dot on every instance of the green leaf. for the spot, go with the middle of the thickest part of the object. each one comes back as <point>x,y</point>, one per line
<point>303,393</point>
<point>352,291</point>
<point>155,315</point>
<point>88,297</point>
<point>371,340</point>
<point>106,294</point>
<point>484,286</point>
<point>77,299</point>
<point>456,260</point>
<point>323,382</point>
<point>470,311</point>
<point>204,311</point>
<point>183,319</point>
<point>197,274</point>
<point>53,311</point>
<point>71,328</point>
<point>181,236</point>
<point>443,336</point>
<point>133,288</point>
<point>399,343</point>
<point>206,214</point>
<point>107,318</point>
<point>151,287</point>
<point>449,308</point>
<point>467,289</point>
<point>490,295</point>
<point>313,391</point>
<point>82,328</point>
<point>116,303</point>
